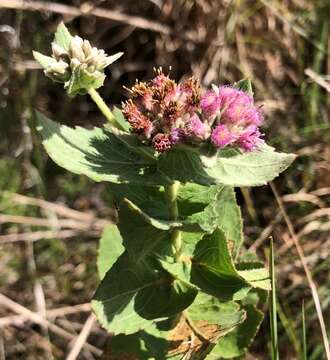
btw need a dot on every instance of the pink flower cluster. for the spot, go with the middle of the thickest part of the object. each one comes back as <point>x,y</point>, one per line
<point>239,119</point>
<point>164,113</point>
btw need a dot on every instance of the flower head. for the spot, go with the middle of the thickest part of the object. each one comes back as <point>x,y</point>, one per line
<point>165,114</point>
<point>210,103</point>
<point>222,136</point>
<point>139,122</point>
<point>176,135</point>
<point>237,107</point>
<point>161,142</point>
<point>196,128</point>
<point>250,138</point>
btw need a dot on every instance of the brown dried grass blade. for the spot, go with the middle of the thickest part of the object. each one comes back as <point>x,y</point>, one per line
<point>308,273</point>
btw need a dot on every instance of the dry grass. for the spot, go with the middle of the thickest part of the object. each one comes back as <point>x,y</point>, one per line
<point>283,46</point>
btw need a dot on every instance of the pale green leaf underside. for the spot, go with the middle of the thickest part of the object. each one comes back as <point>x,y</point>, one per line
<point>223,212</point>
<point>234,169</point>
<point>236,342</point>
<point>96,153</point>
<point>109,250</point>
<point>257,278</point>
<point>45,61</point>
<point>207,308</point>
<point>63,37</point>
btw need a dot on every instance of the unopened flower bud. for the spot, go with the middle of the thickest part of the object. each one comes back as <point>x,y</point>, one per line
<point>87,48</point>
<point>60,67</point>
<point>75,63</point>
<point>76,50</point>
<point>58,51</point>
<point>161,142</point>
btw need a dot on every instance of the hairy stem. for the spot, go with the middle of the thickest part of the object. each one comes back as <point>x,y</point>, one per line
<point>172,192</point>
<point>103,107</point>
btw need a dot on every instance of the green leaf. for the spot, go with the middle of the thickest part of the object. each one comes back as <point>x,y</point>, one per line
<point>45,61</point>
<point>195,193</point>
<point>222,212</point>
<point>244,85</point>
<point>251,168</point>
<point>96,153</point>
<point>236,342</point>
<point>63,36</point>
<point>131,295</point>
<point>226,315</point>
<point>151,199</point>
<point>212,270</point>
<point>144,345</point>
<point>143,234</point>
<point>228,168</point>
<point>184,166</point>
<point>255,274</point>
<point>110,248</point>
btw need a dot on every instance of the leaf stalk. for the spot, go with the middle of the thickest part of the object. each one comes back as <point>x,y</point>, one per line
<point>103,107</point>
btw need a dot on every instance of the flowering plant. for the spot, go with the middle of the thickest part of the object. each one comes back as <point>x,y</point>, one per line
<point>174,283</point>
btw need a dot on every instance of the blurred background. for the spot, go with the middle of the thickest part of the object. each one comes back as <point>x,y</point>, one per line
<point>50,219</point>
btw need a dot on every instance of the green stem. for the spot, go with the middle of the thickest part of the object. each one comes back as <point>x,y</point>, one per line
<point>176,238</point>
<point>103,107</point>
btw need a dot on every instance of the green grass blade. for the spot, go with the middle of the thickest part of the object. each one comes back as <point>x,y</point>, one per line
<point>289,329</point>
<point>273,310</point>
<point>304,345</point>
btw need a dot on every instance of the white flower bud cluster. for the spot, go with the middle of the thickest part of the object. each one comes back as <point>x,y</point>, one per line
<point>75,63</point>
<point>89,58</point>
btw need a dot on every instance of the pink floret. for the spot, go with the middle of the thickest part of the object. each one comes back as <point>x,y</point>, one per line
<point>222,136</point>
<point>196,128</point>
<point>176,135</point>
<point>237,107</point>
<point>250,138</point>
<point>210,103</point>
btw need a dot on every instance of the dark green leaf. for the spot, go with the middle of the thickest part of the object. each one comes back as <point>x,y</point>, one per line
<point>144,345</point>
<point>143,234</point>
<point>151,200</point>
<point>131,295</point>
<point>212,270</point>
<point>245,85</point>
<point>195,193</point>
